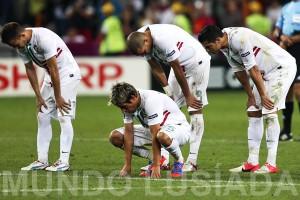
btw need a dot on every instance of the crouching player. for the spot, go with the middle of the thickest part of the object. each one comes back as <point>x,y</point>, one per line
<point>164,126</point>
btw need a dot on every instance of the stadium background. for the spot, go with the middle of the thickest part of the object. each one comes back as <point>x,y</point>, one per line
<point>224,143</point>
<point>79,23</point>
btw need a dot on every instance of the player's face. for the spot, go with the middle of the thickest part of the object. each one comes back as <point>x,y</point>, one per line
<point>19,42</point>
<point>213,47</point>
<point>146,48</point>
<point>130,107</point>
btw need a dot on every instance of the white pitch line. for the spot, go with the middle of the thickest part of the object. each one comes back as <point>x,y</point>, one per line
<point>167,179</point>
<point>113,188</point>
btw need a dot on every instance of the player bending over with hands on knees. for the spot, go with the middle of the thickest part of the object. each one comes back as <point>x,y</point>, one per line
<point>189,74</point>
<point>57,98</point>
<point>163,124</point>
<point>272,70</point>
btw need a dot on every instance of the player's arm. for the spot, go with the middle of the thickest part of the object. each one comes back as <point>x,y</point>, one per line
<point>31,74</point>
<point>156,151</point>
<point>243,78</point>
<point>255,75</point>
<point>179,74</point>
<point>128,146</point>
<point>159,75</point>
<point>61,104</point>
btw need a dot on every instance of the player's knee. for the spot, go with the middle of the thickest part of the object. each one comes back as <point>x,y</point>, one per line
<point>116,138</point>
<point>43,119</point>
<point>270,116</point>
<point>64,119</point>
<point>164,139</point>
<point>254,113</point>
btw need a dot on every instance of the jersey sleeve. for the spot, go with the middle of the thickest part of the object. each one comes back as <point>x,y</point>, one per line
<point>242,44</point>
<point>167,44</point>
<point>49,46</point>
<point>154,109</point>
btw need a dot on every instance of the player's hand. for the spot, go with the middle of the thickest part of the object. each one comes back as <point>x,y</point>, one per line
<point>251,102</point>
<point>155,172</point>
<point>39,103</point>
<point>193,102</point>
<point>267,102</point>
<point>125,171</point>
<point>62,105</point>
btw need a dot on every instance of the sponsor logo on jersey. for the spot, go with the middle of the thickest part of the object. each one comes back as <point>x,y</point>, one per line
<point>245,54</point>
<point>170,54</point>
<point>153,116</point>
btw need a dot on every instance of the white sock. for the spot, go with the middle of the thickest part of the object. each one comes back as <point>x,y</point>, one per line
<point>44,136</point>
<point>142,152</point>
<point>255,134</point>
<point>197,129</point>
<point>66,138</point>
<point>175,151</point>
<point>165,153</point>
<point>272,136</point>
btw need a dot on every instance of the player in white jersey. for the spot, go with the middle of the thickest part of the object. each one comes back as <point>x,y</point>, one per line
<point>168,127</point>
<point>272,70</point>
<point>57,97</point>
<point>188,78</point>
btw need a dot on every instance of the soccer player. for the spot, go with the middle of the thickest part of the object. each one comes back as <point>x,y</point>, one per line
<point>288,32</point>
<point>167,126</point>
<point>188,78</point>
<point>57,97</point>
<point>272,70</point>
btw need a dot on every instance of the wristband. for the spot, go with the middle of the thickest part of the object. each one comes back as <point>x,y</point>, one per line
<point>168,90</point>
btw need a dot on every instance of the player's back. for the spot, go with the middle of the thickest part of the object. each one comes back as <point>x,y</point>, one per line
<point>165,107</point>
<point>268,55</point>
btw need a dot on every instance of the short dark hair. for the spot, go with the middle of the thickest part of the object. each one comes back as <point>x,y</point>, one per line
<point>121,93</point>
<point>11,31</point>
<point>209,34</point>
<point>135,41</point>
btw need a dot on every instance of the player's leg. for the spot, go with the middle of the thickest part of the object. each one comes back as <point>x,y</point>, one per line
<point>141,138</point>
<point>277,89</point>
<point>255,134</point>
<point>69,93</point>
<point>198,85</point>
<point>44,134</point>
<point>171,138</point>
<point>287,113</point>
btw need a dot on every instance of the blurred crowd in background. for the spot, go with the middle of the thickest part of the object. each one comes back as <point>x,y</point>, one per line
<point>100,27</point>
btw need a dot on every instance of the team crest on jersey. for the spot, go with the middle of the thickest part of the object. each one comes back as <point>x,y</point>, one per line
<point>170,54</point>
<point>245,54</point>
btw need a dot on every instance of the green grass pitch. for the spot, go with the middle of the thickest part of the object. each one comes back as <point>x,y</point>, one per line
<point>95,163</point>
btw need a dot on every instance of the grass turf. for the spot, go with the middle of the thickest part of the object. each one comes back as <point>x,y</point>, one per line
<point>95,163</point>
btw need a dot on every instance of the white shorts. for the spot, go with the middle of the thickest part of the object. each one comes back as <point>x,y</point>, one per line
<point>181,133</point>
<point>277,85</point>
<point>143,136</point>
<point>197,83</point>
<point>68,92</point>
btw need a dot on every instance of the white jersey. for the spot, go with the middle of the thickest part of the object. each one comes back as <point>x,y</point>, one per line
<point>171,42</point>
<point>156,108</point>
<point>45,44</point>
<point>248,48</point>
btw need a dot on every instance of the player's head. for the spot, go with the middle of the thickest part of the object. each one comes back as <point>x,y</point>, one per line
<point>13,35</point>
<point>210,37</point>
<point>124,96</point>
<point>139,43</point>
